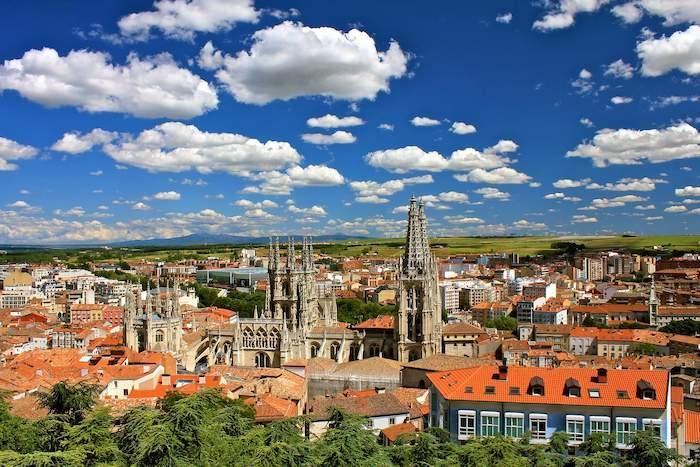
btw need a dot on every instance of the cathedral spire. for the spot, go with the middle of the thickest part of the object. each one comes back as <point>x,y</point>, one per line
<point>417,250</point>
<point>290,253</point>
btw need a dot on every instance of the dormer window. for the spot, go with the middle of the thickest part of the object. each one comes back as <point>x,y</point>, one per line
<point>572,388</point>
<point>536,386</point>
<point>645,390</point>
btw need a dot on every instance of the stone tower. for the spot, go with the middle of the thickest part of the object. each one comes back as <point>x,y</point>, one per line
<point>653,304</point>
<point>418,330</point>
<point>154,323</point>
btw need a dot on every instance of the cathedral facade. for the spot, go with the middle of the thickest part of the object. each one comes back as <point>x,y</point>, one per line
<point>299,320</point>
<point>418,327</point>
<point>153,323</point>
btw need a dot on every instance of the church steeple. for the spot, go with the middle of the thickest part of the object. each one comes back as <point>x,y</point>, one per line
<point>417,251</point>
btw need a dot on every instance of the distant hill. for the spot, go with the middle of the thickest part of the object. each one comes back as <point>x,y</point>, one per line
<point>218,239</point>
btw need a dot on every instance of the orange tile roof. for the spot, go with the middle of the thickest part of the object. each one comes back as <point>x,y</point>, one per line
<point>606,308</point>
<point>452,385</point>
<point>692,427</point>
<point>461,328</point>
<point>677,404</point>
<point>394,431</point>
<point>380,322</point>
<point>268,408</point>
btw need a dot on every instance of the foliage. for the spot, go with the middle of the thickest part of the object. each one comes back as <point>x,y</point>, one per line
<point>243,303</point>
<point>503,323</point>
<point>71,401</point>
<point>688,327</point>
<point>642,348</point>
<point>648,449</point>
<point>353,310</point>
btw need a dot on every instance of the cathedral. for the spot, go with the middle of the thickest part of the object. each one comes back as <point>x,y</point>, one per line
<point>299,320</point>
<point>418,331</point>
<point>154,323</point>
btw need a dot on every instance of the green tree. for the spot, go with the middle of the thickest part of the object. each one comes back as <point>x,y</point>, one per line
<point>648,449</point>
<point>642,348</point>
<point>348,443</point>
<point>72,401</point>
<point>503,323</point>
<point>688,327</point>
<point>94,438</point>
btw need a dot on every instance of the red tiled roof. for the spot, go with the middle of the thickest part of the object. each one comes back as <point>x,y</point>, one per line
<point>394,431</point>
<point>453,386</point>
<point>692,427</point>
<point>606,308</point>
<point>461,328</point>
<point>380,322</point>
<point>677,404</point>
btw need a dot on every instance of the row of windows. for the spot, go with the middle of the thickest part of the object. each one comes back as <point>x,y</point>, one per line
<point>514,426</point>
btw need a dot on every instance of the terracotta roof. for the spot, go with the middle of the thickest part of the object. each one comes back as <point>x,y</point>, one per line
<point>380,322</point>
<point>682,311</point>
<point>394,431</point>
<point>677,404</point>
<point>553,328</point>
<point>622,335</point>
<point>692,427</point>
<point>371,406</point>
<point>461,328</point>
<point>440,362</point>
<point>454,385</point>
<point>692,340</point>
<point>606,308</point>
<point>269,408</point>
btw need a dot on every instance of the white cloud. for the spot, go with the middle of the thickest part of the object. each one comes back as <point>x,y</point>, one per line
<point>561,14</point>
<point>583,84</point>
<point>626,146</point>
<point>464,220</point>
<point>291,60</point>
<point>278,183</point>
<point>424,121</point>
<point>167,196</point>
<point>675,209</point>
<point>528,225</point>
<point>140,206</point>
<point>618,100</point>
<point>332,121</point>
<point>674,12</point>
<point>653,218</point>
<point>338,137</point>
<point>371,191</point>
<point>587,122</point>
<point>176,147</point>
<point>77,143</point>
<point>181,19</point>
<point>620,69</point>
<point>461,128</point>
<point>75,211</point>
<point>209,58</point>
<point>400,210</point>
<point>371,199</point>
<point>247,204</point>
<point>493,193</point>
<point>97,173</point>
<point>569,183</point>
<point>153,87</point>
<point>20,204</point>
<point>562,196</point>
<point>672,100</point>
<point>647,207</point>
<point>680,51</point>
<point>505,18</point>
<point>688,191</point>
<point>503,175</point>
<point>619,201</point>
<point>628,184</point>
<point>585,74</point>
<point>503,146</point>
<point>469,159</point>
<point>312,211</point>
<point>581,219</point>
<point>14,151</point>
<point>194,182</point>
<point>453,197</point>
<point>386,126</point>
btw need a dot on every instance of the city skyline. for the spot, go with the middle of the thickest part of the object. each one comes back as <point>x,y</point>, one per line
<point>167,118</point>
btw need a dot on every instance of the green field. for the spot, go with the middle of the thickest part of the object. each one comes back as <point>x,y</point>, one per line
<point>525,246</point>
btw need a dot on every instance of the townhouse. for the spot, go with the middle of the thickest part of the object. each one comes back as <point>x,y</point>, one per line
<point>491,400</point>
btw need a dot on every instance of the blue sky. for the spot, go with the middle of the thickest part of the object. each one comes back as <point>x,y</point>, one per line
<point>142,119</point>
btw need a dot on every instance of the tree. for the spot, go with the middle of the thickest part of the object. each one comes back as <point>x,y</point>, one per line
<point>642,348</point>
<point>348,443</point>
<point>503,323</point>
<point>688,327</point>
<point>94,438</point>
<point>72,401</point>
<point>648,449</point>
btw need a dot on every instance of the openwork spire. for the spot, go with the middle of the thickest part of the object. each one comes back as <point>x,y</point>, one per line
<point>417,253</point>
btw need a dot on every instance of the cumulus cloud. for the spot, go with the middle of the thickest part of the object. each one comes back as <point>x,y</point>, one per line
<point>332,121</point>
<point>619,201</point>
<point>628,147</point>
<point>181,19</point>
<point>667,101</point>
<point>282,183</point>
<point>210,58</point>
<point>338,137</point>
<point>587,122</point>
<point>77,143</point>
<point>493,193</point>
<point>311,211</point>
<point>371,199</point>
<point>619,100</point>
<point>674,12</point>
<point>584,83</point>
<point>628,184</point>
<point>680,50</point>
<point>688,191</point>
<point>370,191</point>
<point>13,151</point>
<point>167,196</point>
<point>154,87</point>
<point>569,183</point>
<point>619,69</point>
<point>504,175</point>
<point>505,18</point>
<point>528,225</point>
<point>424,121</point>
<point>247,204</point>
<point>561,14</point>
<point>291,60</point>
<point>386,126</point>
<point>582,219</point>
<point>140,206</point>
<point>461,128</point>
<point>464,220</point>
<point>562,196</point>
<point>176,147</point>
<point>676,209</point>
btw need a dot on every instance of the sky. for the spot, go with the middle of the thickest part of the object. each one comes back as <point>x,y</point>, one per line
<point>157,119</point>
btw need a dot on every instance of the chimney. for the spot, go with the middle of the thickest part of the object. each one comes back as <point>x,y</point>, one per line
<point>165,380</point>
<point>502,372</point>
<point>602,375</point>
<point>202,379</point>
<point>83,372</point>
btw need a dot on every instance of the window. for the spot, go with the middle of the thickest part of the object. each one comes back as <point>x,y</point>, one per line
<point>490,425</point>
<point>514,391</point>
<point>574,428</point>
<point>159,336</point>
<point>392,420</point>
<point>594,393</point>
<point>370,423</point>
<point>652,424</point>
<point>600,425</point>
<point>467,424</point>
<point>622,394</point>
<point>624,429</point>
<point>489,390</point>
<point>515,425</point>
<point>126,392</point>
<point>538,426</point>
